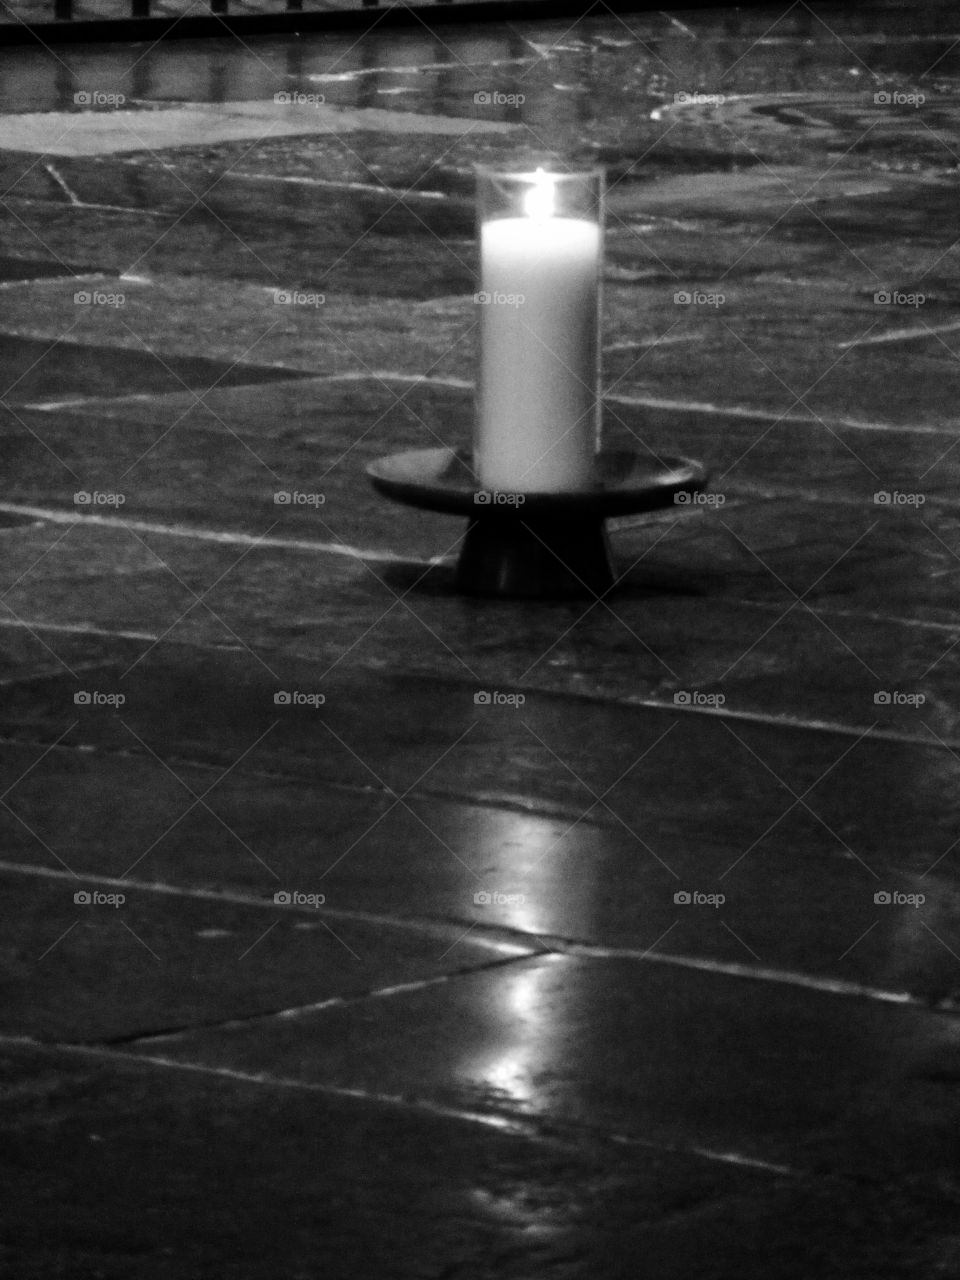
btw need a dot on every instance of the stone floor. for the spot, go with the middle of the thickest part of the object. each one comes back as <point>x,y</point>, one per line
<point>655,973</point>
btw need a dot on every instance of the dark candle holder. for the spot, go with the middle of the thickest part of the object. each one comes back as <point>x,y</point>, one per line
<point>535,545</point>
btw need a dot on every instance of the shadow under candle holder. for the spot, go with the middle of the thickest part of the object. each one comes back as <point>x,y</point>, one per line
<point>535,545</point>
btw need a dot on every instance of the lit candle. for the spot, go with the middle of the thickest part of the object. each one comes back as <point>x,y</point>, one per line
<point>537,405</point>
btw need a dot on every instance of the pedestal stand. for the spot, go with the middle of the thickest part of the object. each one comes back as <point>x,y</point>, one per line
<point>547,545</point>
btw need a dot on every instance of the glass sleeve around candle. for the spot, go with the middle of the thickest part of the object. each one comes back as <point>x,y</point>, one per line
<point>538,403</point>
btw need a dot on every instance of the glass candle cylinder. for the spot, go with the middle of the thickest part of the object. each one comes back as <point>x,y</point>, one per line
<point>538,403</point>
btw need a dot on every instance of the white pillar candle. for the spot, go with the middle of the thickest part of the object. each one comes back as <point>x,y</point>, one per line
<point>537,423</point>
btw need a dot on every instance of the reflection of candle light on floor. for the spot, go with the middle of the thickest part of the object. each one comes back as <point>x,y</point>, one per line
<point>526,1028</point>
<point>537,853</point>
<point>509,1075</point>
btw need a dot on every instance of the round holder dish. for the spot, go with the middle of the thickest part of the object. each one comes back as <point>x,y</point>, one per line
<point>549,545</point>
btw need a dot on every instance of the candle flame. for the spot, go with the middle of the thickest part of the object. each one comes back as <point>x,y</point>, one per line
<point>539,200</point>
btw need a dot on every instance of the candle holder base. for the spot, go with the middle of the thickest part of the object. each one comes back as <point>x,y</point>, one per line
<point>535,545</point>
<point>505,554</point>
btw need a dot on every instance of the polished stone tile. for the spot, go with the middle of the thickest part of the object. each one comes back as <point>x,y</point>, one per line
<point>119,962</point>
<point>109,1160</point>
<point>37,369</point>
<point>601,819</point>
<point>95,133</point>
<point>717,615</point>
<point>681,1059</point>
<point>36,269</point>
<point>585,1113</point>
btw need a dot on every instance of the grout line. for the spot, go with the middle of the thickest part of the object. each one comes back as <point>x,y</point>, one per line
<point>531,1128</point>
<point>61,183</point>
<point>744,412</point>
<point>35,676</point>
<point>340,77</point>
<point>781,721</point>
<point>296,373</point>
<point>519,1128</point>
<point>503,802</point>
<point>743,715</point>
<point>56,515</point>
<point>79,629</point>
<point>51,406</point>
<point>305,1010</point>
<point>901,335</point>
<point>369,187</point>
<point>503,940</point>
<point>918,624</point>
<point>513,942</point>
<point>757,973</point>
<point>20,282</point>
<point>773,417</point>
<point>79,204</point>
